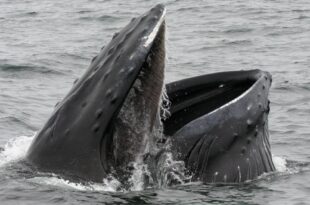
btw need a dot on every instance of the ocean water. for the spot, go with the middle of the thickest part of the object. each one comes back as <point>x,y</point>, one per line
<point>45,45</point>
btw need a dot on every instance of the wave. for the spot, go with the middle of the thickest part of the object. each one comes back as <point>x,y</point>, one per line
<point>107,18</point>
<point>27,68</point>
<point>10,121</point>
<point>238,42</point>
<point>238,30</point>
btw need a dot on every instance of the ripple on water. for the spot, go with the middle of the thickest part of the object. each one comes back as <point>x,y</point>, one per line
<point>278,29</point>
<point>12,68</point>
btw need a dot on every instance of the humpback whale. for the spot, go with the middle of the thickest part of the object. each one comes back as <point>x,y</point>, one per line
<point>112,117</point>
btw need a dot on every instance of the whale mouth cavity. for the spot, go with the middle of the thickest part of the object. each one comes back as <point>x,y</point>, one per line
<point>203,97</point>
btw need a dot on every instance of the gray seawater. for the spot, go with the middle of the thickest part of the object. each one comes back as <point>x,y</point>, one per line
<point>45,45</point>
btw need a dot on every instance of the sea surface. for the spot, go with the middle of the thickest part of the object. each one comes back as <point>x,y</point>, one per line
<point>45,45</point>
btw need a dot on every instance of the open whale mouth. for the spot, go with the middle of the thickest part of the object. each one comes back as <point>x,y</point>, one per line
<point>111,117</point>
<point>198,96</point>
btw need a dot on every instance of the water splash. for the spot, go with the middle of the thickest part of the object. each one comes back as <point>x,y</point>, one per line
<point>141,177</point>
<point>109,184</point>
<point>15,149</point>
<point>165,105</point>
<point>280,164</point>
<point>170,171</point>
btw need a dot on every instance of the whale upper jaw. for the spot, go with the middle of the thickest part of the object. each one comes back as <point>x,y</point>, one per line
<point>76,140</point>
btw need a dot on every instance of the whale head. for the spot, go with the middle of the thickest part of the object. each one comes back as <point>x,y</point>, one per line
<point>104,122</point>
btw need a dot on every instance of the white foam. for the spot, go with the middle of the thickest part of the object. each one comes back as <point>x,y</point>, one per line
<point>111,184</point>
<point>55,180</point>
<point>280,164</point>
<point>15,149</point>
<point>138,175</point>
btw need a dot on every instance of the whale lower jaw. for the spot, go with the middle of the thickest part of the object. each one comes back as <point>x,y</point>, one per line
<point>225,139</point>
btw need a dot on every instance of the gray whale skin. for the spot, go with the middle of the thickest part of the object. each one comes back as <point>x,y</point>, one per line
<point>217,123</point>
